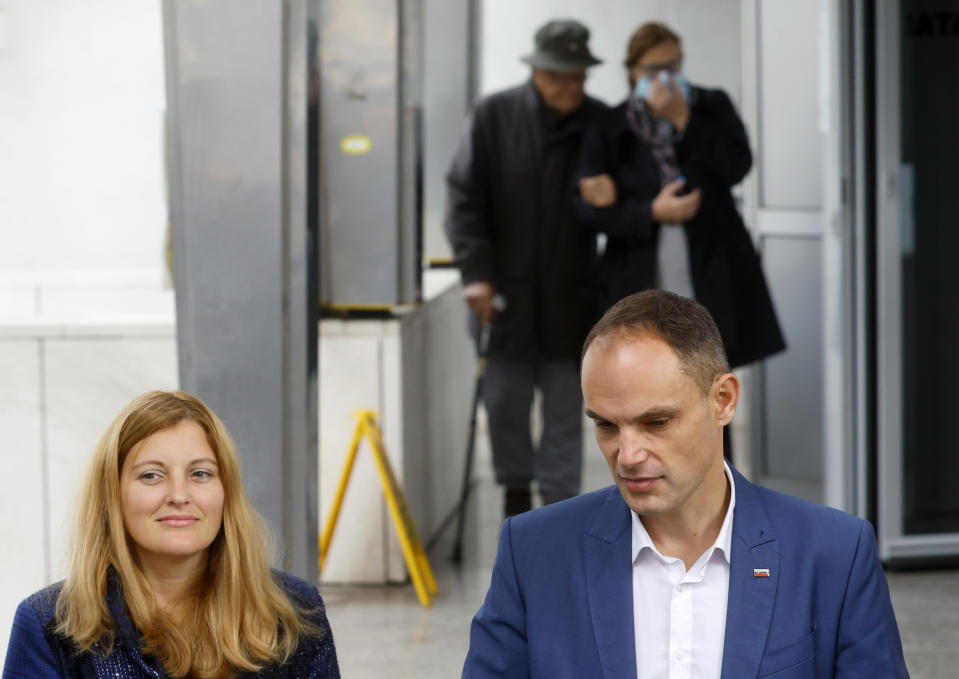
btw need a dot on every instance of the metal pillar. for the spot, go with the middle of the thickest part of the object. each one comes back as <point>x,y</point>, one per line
<point>238,75</point>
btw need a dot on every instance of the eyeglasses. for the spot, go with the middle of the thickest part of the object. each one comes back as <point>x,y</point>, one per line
<point>652,69</point>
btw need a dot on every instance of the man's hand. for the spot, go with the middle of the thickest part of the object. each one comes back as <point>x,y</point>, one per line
<point>670,208</point>
<point>666,101</point>
<point>598,191</point>
<point>479,295</point>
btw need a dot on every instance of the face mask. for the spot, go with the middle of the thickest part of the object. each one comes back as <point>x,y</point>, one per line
<point>641,91</point>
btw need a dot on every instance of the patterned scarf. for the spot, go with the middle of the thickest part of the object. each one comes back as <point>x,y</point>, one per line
<point>658,134</point>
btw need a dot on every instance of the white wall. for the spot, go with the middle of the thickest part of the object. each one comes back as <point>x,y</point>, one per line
<point>710,30</point>
<point>790,86</point>
<point>81,158</point>
<point>61,387</point>
<point>85,321</point>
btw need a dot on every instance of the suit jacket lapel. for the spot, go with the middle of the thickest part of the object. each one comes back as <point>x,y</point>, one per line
<point>751,598</point>
<point>609,584</point>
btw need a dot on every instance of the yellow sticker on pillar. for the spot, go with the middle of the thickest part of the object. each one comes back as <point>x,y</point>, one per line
<point>355,144</point>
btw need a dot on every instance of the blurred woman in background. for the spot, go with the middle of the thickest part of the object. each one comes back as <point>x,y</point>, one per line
<point>655,178</point>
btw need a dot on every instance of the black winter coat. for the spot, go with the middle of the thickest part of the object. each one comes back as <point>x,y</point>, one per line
<point>511,220</point>
<point>713,154</point>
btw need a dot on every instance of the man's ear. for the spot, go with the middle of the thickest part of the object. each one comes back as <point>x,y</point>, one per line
<point>724,397</point>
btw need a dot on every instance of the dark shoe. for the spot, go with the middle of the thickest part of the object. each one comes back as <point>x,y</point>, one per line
<point>518,500</point>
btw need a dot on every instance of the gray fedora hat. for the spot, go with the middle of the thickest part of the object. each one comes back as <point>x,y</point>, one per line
<point>560,45</point>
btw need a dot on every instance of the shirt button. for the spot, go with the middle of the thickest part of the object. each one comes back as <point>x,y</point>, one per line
<point>679,588</point>
<point>678,654</point>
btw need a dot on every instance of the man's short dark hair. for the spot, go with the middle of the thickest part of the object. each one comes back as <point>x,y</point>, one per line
<point>682,323</point>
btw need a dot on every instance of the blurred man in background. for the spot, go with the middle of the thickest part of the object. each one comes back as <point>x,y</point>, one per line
<point>525,262</point>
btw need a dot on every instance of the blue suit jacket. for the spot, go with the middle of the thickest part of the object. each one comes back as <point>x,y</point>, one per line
<point>560,603</point>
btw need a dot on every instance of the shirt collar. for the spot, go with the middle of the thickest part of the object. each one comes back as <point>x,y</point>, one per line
<point>723,542</point>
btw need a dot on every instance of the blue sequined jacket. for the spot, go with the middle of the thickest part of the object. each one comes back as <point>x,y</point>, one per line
<point>36,651</point>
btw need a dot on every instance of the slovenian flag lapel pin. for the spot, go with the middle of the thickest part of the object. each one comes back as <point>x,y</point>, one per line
<point>760,572</point>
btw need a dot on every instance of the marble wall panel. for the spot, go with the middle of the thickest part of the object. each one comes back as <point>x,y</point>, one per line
<point>416,467</point>
<point>448,383</point>
<point>24,567</point>
<point>72,302</point>
<point>350,380</point>
<point>89,380</point>
<point>394,422</point>
<point>17,302</point>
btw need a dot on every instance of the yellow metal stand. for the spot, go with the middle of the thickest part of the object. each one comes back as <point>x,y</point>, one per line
<point>416,562</point>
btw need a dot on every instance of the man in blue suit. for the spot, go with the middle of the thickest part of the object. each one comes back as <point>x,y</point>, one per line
<point>683,568</point>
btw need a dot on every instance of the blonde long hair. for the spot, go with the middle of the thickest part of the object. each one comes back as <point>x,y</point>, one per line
<point>243,621</point>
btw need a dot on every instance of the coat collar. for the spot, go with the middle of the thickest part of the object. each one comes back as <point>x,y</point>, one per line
<point>749,610</point>
<point>619,124</point>
<point>609,577</point>
<point>549,121</point>
<point>531,98</point>
<point>128,640</point>
<point>127,634</point>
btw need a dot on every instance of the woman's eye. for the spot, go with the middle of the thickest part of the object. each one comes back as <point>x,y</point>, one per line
<point>202,474</point>
<point>150,476</point>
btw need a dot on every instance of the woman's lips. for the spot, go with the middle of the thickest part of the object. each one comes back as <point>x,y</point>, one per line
<point>178,521</point>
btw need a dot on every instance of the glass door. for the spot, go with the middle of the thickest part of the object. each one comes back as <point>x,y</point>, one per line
<point>917,193</point>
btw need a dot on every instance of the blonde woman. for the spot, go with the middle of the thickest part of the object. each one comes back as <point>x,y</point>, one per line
<point>169,573</point>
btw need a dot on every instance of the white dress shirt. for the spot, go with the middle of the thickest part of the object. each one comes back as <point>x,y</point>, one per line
<point>679,616</point>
